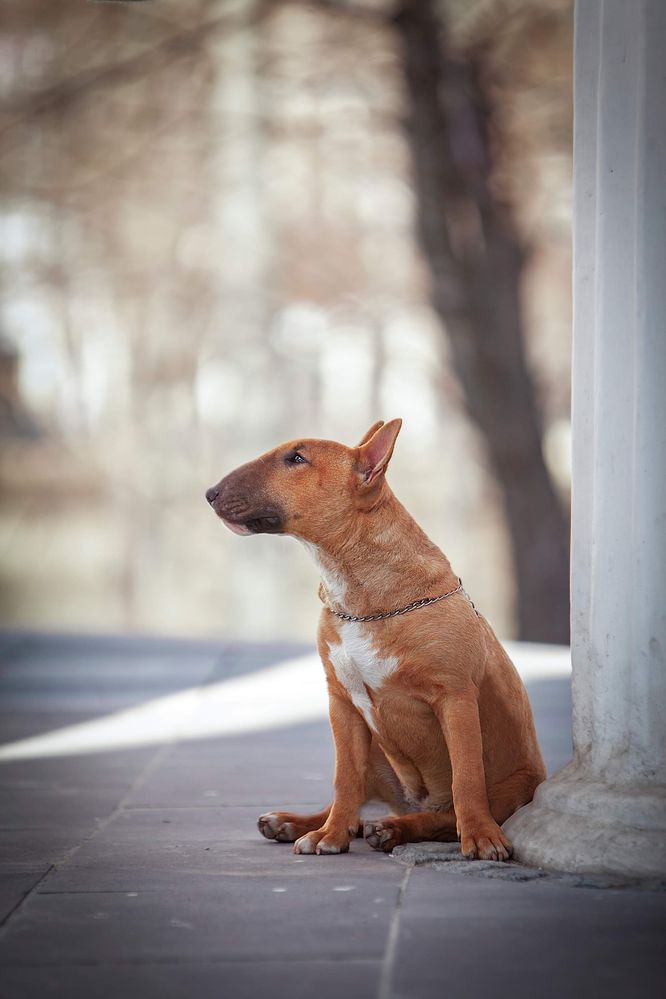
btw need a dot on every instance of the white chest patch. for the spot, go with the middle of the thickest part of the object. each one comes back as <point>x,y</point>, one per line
<point>358,666</point>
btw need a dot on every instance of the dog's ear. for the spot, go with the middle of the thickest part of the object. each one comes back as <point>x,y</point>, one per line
<point>375,454</point>
<point>370,433</point>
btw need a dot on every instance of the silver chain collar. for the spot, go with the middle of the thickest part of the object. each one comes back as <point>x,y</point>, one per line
<point>425,602</point>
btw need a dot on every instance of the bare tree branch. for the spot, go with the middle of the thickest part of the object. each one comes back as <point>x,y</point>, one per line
<point>182,43</point>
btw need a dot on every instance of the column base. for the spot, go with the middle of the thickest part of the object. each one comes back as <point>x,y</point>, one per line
<point>581,825</point>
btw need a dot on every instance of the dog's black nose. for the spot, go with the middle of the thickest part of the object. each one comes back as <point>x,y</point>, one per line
<point>212,494</point>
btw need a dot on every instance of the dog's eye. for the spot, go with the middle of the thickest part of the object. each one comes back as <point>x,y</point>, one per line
<point>295,459</point>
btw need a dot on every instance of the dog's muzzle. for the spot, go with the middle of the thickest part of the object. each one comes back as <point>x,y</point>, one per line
<point>242,517</point>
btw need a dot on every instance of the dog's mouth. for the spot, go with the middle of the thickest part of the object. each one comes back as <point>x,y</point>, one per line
<point>267,523</point>
<point>236,528</point>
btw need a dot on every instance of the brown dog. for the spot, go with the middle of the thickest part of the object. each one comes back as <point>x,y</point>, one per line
<point>428,713</point>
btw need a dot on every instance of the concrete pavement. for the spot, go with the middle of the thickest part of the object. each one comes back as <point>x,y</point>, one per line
<point>134,868</point>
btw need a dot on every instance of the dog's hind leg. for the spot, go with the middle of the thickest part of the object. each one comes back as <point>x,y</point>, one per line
<point>384,834</point>
<point>504,798</point>
<point>286,827</point>
<point>514,791</point>
<point>382,784</point>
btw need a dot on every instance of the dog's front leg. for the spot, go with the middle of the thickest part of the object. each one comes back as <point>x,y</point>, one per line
<point>352,739</point>
<point>480,836</point>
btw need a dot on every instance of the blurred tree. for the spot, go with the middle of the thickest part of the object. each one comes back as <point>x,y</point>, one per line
<point>476,261</point>
<point>476,257</point>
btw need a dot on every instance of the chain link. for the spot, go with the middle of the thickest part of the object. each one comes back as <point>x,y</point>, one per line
<point>425,602</point>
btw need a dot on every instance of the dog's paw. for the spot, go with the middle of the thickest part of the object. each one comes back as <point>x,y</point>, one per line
<point>383,834</point>
<point>321,843</point>
<point>485,841</point>
<point>276,825</point>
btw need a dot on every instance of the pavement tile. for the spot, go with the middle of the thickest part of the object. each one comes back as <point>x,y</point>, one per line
<point>298,979</point>
<point>222,919</point>
<point>115,769</point>
<point>26,850</point>
<point>226,783</point>
<point>462,936</point>
<point>269,770</point>
<point>14,887</point>
<point>50,792</point>
<point>38,807</point>
<point>160,849</point>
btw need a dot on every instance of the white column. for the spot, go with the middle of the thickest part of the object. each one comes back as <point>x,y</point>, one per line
<point>606,811</point>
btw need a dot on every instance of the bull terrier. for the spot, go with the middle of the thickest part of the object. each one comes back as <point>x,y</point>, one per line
<point>428,713</point>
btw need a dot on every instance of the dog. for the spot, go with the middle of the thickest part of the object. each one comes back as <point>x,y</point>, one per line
<point>427,711</point>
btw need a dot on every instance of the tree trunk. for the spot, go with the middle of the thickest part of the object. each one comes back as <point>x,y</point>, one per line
<point>476,262</point>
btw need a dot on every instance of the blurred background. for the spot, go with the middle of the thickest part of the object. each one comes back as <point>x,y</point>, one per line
<point>225,224</point>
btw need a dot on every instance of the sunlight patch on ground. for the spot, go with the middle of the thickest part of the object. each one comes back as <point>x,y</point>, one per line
<point>290,693</point>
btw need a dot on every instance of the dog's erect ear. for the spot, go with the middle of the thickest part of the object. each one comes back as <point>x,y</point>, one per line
<point>370,433</point>
<point>375,454</point>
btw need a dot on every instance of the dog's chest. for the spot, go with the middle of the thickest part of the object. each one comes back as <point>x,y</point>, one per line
<point>359,667</point>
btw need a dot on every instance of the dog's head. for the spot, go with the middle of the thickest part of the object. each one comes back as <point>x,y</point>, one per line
<point>307,488</point>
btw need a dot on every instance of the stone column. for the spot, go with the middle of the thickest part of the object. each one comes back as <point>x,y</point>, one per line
<point>606,811</point>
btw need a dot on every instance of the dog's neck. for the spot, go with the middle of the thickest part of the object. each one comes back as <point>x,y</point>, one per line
<point>380,560</point>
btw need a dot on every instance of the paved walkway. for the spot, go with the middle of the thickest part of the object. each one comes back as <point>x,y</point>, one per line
<point>131,778</point>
